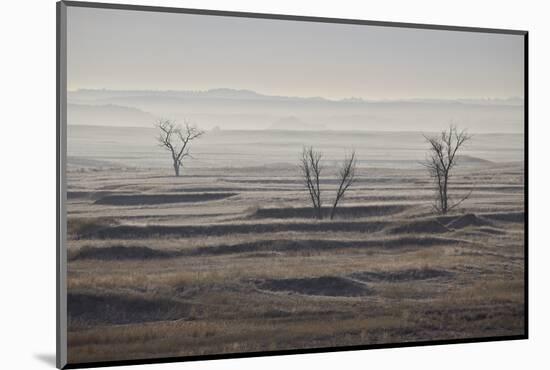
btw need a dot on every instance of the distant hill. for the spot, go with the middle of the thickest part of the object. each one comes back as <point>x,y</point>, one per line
<point>228,93</point>
<point>108,115</point>
<point>231,109</point>
<point>469,160</point>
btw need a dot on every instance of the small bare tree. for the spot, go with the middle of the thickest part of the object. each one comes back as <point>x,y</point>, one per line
<point>177,140</point>
<point>310,166</point>
<point>346,177</point>
<point>440,162</point>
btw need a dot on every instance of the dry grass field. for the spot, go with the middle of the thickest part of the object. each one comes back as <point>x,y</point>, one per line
<point>228,259</point>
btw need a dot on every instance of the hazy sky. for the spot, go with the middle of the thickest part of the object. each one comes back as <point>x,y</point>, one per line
<point>117,49</point>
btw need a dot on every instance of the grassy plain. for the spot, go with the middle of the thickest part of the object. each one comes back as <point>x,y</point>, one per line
<point>230,259</point>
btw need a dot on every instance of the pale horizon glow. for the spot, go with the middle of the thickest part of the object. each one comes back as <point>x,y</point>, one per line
<point>135,50</point>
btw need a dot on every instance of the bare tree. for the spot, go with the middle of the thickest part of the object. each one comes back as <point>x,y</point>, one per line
<point>310,166</point>
<point>346,177</point>
<point>177,140</point>
<point>441,161</point>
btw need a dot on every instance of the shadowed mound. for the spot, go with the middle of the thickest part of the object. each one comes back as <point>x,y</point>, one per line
<point>120,253</point>
<point>84,225</point>
<point>151,199</point>
<point>468,220</point>
<point>505,216</point>
<point>483,232</point>
<point>419,227</point>
<point>87,195</point>
<point>341,212</point>
<point>401,276</point>
<point>164,231</point>
<point>329,286</point>
<point>111,308</point>
<point>311,245</point>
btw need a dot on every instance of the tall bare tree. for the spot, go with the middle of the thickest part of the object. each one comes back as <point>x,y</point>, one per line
<point>311,168</point>
<point>176,140</point>
<point>440,163</point>
<point>346,177</point>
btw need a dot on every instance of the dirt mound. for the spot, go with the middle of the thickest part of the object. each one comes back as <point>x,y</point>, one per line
<point>270,246</point>
<point>151,199</point>
<point>341,212</point>
<point>87,195</point>
<point>402,275</point>
<point>78,226</point>
<point>329,286</point>
<point>115,253</point>
<point>420,227</point>
<point>483,231</point>
<point>467,220</point>
<point>278,245</point>
<point>505,216</point>
<point>111,308</point>
<point>165,231</point>
<point>422,241</point>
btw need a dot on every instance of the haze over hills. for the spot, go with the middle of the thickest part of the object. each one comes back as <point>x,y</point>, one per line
<point>294,123</point>
<point>245,109</point>
<point>108,115</point>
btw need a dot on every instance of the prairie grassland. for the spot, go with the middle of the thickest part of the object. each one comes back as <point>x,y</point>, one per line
<point>231,260</point>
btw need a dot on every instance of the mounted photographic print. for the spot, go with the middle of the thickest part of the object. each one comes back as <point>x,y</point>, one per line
<point>239,184</point>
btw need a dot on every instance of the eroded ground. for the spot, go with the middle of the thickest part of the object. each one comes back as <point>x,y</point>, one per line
<point>230,260</point>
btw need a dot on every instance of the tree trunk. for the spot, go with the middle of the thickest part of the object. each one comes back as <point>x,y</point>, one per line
<point>333,211</point>
<point>177,169</point>
<point>319,210</point>
<point>444,206</point>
